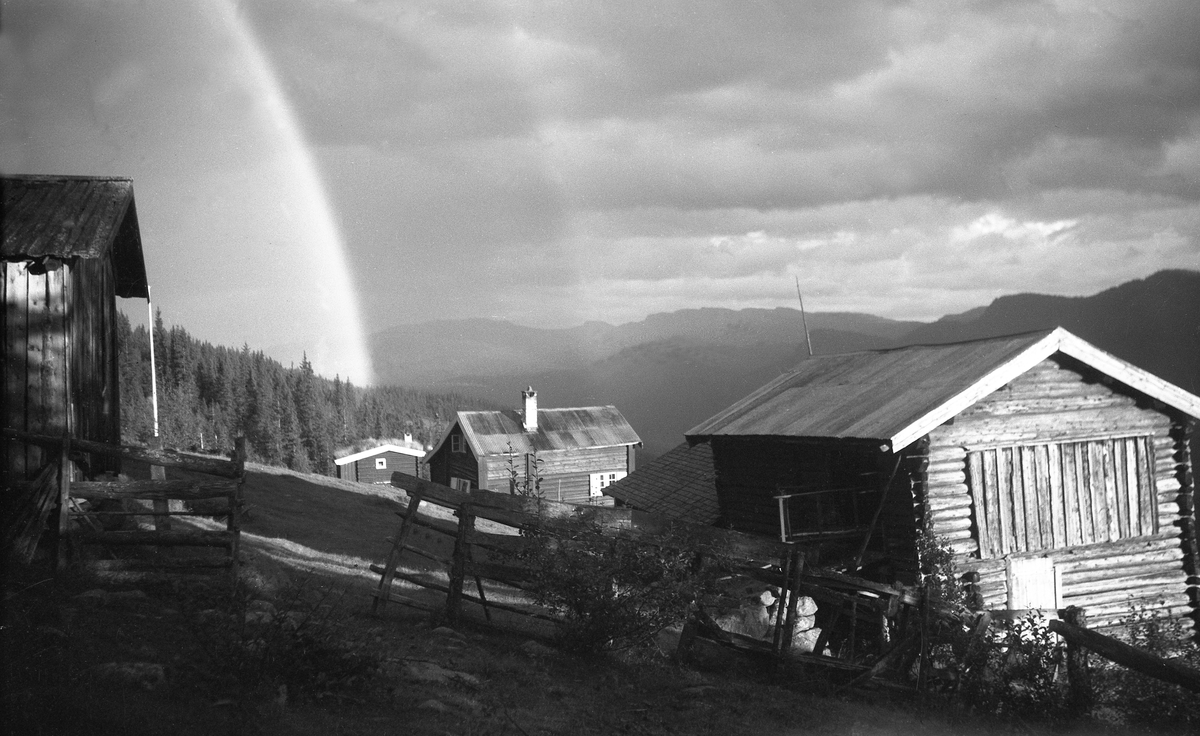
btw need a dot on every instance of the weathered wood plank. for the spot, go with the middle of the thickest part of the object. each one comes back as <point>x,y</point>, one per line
<point>1087,514</point>
<point>992,503</point>
<point>55,378</point>
<point>35,357</point>
<point>1028,486</point>
<point>1111,501</point>
<point>1070,495</point>
<point>1147,493</point>
<point>160,490</point>
<point>1011,526</point>
<point>1041,483</point>
<point>16,329</point>
<point>1058,505</point>
<point>979,502</point>
<point>1117,449</point>
<point>174,538</point>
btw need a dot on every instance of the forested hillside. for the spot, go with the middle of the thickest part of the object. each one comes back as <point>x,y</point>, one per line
<point>207,395</point>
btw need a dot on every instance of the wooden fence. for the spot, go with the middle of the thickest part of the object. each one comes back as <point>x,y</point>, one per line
<point>73,511</point>
<point>869,631</point>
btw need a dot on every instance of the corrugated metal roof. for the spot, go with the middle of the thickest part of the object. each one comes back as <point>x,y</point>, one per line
<point>868,395</point>
<point>681,484</point>
<point>68,217</point>
<point>491,432</point>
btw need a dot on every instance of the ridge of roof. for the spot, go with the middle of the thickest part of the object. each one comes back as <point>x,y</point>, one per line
<point>870,395</point>
<point>346,460</point>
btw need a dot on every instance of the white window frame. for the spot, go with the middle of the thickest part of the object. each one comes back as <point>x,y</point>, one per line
<point>457,443</point>
<point>597,482</point>
<point>460,484</point>
<point>381,463</point>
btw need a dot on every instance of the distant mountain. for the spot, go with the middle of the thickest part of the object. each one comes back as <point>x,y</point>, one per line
<point>669,372</point>
<point>432,353</point>
<point>1153,323</point>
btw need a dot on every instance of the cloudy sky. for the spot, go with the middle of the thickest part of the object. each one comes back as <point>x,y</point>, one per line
<point>308,169</point>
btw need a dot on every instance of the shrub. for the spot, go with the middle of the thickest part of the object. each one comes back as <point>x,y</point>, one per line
<point>252,650</point>
<point>1137,699</point>
<point>612,591</point>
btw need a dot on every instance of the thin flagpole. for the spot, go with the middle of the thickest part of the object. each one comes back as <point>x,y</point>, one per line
<point>153,366</point>
<point>803,317</point>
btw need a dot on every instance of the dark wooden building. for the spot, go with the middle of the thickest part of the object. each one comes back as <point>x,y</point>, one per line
<point>68,247</point>
<point>1057,472</point>
<point>580,450</point>
<point>377,464</point>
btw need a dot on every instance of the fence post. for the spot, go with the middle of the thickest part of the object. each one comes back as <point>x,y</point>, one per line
<point>397,551</point>
<point>162,507</point>
<point>462,545</point>
<point>1078,671</point>
<point>234,521</point>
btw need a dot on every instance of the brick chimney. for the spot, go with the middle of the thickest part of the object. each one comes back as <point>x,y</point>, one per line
<point>529,417</point>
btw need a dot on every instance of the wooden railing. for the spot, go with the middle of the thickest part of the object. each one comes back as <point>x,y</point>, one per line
<point>79,517</point>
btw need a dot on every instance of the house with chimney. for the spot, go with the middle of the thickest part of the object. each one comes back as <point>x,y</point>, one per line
<point>577,452</point>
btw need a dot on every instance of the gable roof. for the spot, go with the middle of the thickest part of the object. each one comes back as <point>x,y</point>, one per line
<point>681,484</point>
<point>68,217</point>
<point>897,396</point>
<point>379,450</point>
<point>491,433</point>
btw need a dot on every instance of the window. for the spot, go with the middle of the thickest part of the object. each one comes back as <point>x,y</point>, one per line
<point>456,443</point>
<point>381,463</point>
<point>460,484</point>
<point>1033,582</point>
<point>597,482</point>
<point>1049,496</point>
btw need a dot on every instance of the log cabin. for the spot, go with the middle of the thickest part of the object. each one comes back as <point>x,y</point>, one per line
<point>578,451</point>
<point>375,465</point>
<point>1054,471</point>
<point>69,246</point>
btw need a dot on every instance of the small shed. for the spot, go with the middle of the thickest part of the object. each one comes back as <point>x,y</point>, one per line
<point>376,465</point>
<point>69,245</point>
<point>1058,473</point>
<point>579,451</point>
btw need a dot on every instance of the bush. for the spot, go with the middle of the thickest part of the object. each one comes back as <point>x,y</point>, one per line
<point>1134,698</point>
<point>612,591</point>
<point>254,650</point>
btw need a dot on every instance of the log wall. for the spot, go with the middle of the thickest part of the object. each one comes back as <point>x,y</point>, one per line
<point>1122,550</point>
<point>60,364</point>
<point>565,474</point>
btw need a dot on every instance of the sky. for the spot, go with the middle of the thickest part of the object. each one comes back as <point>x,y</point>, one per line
<point>308,171</point>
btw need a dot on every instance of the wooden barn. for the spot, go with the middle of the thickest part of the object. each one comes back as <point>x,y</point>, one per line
<point>376,465</point>
<point>580,451</point>
<point>69,245</point>
<point>1057,473</point>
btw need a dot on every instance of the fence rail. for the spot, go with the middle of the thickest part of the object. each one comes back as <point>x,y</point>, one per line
<point>75,511</point>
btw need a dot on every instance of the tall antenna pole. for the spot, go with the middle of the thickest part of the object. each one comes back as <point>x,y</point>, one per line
<point>153,367</point>
<point>807,339</point>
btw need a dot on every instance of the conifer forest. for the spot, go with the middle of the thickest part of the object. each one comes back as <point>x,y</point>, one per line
<point>291,417</point>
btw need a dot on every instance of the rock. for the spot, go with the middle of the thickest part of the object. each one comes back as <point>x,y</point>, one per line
<point>436,674</point>
<point>463,702</point>
<point>146,675</point>
<point>436,706</point>
<point>698,691</point>
<point>259,618</point>
<point>537,649</point>
<point>803,642</point>
<point>446,631</point>
<point>95,596</point>
<point>804,623</point>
